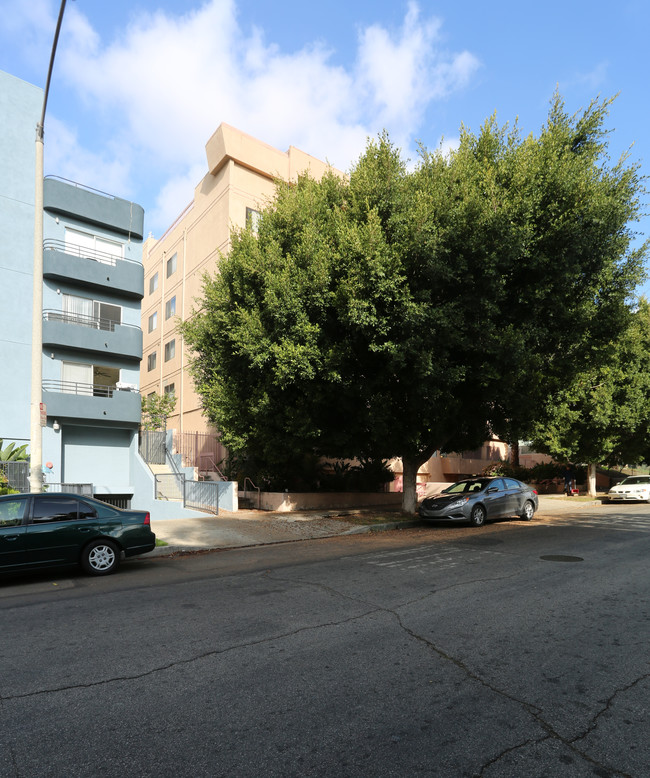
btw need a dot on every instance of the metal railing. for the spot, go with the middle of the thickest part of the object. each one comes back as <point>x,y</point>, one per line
<point>17,474</point>
<point>83,186</point>
<point>77,387</point>
<point>74,250</point>
<point>84,489</point>
<point>94,322</point>
<point>256,488</point>
<point>169,487</point>
<point>203,495</point>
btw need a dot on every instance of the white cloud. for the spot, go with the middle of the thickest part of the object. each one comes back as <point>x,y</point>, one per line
<point>65,156</point>
<point>169,80</point>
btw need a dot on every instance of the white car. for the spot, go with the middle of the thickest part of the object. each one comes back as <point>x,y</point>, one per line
<point>635,487</point>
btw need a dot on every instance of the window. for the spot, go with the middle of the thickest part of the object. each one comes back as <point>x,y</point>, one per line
<point>107,315</point>
<point>153,283</point>
<point>78,310</point>
<point>171,266</point>
<point>253,219</point>
<point>170,349</point>
<point>91,313</point>
<point>153,321</point>
<point>76,378</point>
<point>151,361</point>
<point>55,509</point>
<point>12,511</point>
<point>169,389</point>
<point>84,244</point>
<point>170,308</point>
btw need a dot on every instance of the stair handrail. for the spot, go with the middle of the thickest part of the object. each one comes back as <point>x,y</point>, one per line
<point>180,477</point>
<point>259,493</point>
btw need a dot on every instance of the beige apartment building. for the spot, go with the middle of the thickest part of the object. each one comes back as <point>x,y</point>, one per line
<point>239,181</point>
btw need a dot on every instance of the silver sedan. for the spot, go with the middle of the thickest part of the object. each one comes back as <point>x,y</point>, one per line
<point>478,499</point>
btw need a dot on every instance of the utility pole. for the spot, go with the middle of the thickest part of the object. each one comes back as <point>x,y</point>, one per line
<point>36,431</point>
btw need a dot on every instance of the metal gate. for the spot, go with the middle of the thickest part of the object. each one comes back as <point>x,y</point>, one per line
<point>200,449</point>
<point>152,446</point>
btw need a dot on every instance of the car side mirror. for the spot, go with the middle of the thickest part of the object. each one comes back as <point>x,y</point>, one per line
<point>493,489</point>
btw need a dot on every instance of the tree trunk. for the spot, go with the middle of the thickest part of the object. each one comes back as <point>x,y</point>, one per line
<point>410,469</point>
<point>591,479</point>
<point>514,453</point>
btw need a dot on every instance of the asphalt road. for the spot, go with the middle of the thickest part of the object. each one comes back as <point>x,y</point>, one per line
<point>511,650</point>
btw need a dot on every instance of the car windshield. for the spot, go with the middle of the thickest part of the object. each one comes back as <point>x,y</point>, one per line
<point>635,479</point>
<point>472,485</point>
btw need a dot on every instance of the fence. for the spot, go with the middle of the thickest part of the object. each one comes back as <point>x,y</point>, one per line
<point>84,489</point>
<point>17,475</point>
<point>200,449</point>
<point>203,495</point>
<point>152,446</point>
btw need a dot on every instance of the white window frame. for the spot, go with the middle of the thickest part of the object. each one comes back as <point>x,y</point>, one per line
<point>170,349</point>
<point>169,305</point>
<point>91,246</point>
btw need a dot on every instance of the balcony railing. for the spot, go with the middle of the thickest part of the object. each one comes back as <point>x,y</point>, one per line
<point>87,390</point>
<point>94,322</point>
<point>74,250</point>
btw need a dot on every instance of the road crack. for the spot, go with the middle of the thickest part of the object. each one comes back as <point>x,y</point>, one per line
<point>187,661</point>
<point>531,710</point>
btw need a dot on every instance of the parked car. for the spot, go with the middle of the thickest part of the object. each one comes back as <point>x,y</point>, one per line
<point>47,530</point>
<point>634,487</point>
<point>478,499</point>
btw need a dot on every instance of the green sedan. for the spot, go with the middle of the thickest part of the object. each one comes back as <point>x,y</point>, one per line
<point>48,530</point>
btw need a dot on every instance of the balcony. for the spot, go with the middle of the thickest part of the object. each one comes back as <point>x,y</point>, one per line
<point>93,269</point>
<point>93,207</point>
<point>91,334</point>
<point>91,402</point>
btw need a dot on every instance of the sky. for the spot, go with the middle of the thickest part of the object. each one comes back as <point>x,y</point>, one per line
<point>139,86</point>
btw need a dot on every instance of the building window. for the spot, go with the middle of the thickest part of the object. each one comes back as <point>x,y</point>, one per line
<point>84,244</point>
<point>171,266</point>
<point>253,219</point>
<point>153,321</point>
<point>153,283</point>
<point>151,361</point>
<point>170,308</point>
<point>107,315</point>
<point>169,389</point>
<point>170,349</point>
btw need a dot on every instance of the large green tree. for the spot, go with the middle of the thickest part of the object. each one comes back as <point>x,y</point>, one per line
<point>603,416</point>
<point>408,310</point>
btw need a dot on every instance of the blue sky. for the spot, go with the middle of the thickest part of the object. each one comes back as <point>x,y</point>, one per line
<point>140,86</point>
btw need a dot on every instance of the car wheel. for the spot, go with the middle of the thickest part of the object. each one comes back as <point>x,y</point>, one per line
<point>101,557</point>
<point>528,512</point>
<point>477,516</point>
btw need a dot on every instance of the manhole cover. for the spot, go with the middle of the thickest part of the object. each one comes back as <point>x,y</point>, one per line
<point>561,558</point>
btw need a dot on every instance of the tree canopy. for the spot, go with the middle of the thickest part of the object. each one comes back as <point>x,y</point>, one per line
<point>406,310</point>
<point>602,415</point>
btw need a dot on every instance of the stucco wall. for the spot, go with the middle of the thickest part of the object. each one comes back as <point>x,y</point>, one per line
<point>296,501</point>
<point>20,107</point>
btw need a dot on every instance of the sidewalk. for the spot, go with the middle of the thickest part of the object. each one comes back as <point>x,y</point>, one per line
<point>254,528</point>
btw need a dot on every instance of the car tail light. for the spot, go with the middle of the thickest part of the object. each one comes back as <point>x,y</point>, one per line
<point>147,518</point>
<point>534,491</point>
